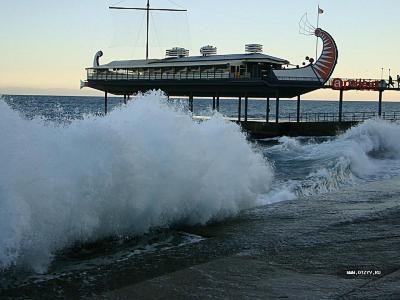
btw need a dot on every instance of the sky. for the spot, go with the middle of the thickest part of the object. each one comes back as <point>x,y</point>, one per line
<point>45,45</point>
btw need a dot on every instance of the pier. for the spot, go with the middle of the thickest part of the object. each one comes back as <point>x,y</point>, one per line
<point>303,124</point>
<point>242,76</point>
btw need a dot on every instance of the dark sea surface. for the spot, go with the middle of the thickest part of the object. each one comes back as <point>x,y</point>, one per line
<point>68,108</point>
<point>88,201</point>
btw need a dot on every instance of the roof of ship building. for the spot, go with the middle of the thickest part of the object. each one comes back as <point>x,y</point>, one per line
<point>195,61</point>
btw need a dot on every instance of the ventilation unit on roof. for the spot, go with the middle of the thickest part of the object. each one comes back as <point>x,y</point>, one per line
<point>177,52</point>
<point>208,50</point>
<point>254,48</point>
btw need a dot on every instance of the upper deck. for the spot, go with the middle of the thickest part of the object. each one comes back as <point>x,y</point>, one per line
<point>254,66</point>
<point>189,61</point>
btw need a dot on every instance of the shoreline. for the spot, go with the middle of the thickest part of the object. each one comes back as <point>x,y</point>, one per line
<point>306,251</point>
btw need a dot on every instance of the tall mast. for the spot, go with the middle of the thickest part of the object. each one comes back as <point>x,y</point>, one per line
<point>147,36</point>
<point>147,9</point>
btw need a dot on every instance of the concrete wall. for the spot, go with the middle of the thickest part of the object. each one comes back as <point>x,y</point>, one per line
<point>261,130</point>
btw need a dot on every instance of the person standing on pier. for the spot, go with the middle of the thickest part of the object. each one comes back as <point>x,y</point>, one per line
<point>391,83</point>
<point>398,81</point>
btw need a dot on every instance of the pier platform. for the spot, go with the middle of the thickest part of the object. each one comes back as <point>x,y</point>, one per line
<point>262,130</point>
<point>307,124</point>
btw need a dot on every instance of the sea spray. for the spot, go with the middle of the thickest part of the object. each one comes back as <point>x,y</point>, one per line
<point>150,165</point>
<point>144,165</point>
<point>376,136</point>
<point>361,153</point>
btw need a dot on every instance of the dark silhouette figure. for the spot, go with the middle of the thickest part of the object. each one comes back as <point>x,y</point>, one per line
<point>398,81</point>
<point>391,83</point>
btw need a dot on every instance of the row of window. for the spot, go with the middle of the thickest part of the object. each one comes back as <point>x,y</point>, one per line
<point>118,74</point>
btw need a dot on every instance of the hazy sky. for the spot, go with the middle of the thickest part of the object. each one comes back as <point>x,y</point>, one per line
<point>46,44</point>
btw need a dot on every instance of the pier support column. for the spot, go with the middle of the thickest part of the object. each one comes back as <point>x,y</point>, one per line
<point>125,99</point>
<point>277,109</point>
<point>191,103</point>
<point>240,109</point>
<point>341,105</point>
<point>213,102</point>
<point>298,108</point>
<point>217,102</point>
<point>267,111</point>
<point>105,103</point>
<point>246,105</point>
<point>380,103</point>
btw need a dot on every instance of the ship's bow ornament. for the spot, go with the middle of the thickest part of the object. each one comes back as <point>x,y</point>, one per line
<point>326,63</point>
<point>316,72</point>
<point>96,60</point>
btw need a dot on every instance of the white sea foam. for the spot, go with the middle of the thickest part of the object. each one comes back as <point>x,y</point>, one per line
<point>361,153</point>
<point>146,165</point>
<point>149,165</point>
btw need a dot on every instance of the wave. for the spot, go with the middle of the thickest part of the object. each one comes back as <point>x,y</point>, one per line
<point>149,165</point>
<point>142,166</point>
<point>368,151</point>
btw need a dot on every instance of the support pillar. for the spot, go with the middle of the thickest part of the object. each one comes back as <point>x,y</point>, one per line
<point>246,105</point>
<point>380,103</point>
<point>105,103</point>
<point>191,103</point>
<point>213,102</point>
<point>240,109</point>
<point>125,99</point>
<point>277,109</point>
<point>298,108</point>
<point>341,105</point>
<point>267,111</point>
<point>217,102</point>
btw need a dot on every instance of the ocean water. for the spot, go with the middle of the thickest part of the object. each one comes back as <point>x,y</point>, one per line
<point>82,193</point>
<point>70,108</point>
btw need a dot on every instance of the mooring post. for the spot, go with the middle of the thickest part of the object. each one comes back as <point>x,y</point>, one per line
<point>340,105</point>
<point>213,102</point>
<point>240,109</point>
<point>125,99</point>
<point>277,109</point>
<point>246,105</point>
<point>105,103</point>
<point>380,103</point>
<point>267,111</point>
<point>217,102</point>
<point>298,108</point>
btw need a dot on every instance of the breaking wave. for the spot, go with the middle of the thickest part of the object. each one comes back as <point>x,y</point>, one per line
<point>149,165</point>
<point>142,166</point>
<point>365,152</point>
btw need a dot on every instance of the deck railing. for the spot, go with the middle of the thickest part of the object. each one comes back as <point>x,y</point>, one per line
<point>130,74</point>
<point>291,78</point>
<point>346,116</point>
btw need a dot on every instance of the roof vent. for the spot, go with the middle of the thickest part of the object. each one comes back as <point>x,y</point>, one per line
<point>208,50</point>
<point>177,52</point>
<point>254,48</point>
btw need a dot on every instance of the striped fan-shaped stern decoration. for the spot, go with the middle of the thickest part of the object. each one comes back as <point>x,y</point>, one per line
<point>326,63</point>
